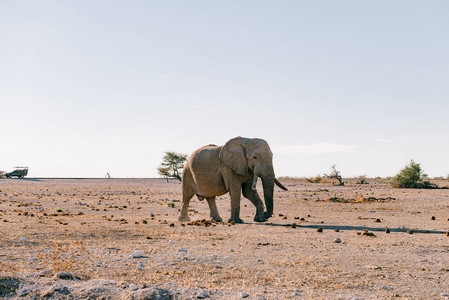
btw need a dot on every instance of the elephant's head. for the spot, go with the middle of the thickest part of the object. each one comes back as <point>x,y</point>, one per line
<point>252,158</point>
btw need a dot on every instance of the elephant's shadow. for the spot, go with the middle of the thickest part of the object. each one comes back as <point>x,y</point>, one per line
<point>352,228</point>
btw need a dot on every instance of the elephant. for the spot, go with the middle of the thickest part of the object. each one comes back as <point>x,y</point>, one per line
<point>213,171</point>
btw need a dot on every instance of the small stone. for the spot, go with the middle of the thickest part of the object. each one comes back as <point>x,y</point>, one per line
<point>133,287</point>
<point>337,230</point>
<point>64,275</point>
<point>337,240</point>
<point>377,221</point>
<point>244,295</point>
<point>172,224</point>
<point>24,291</point>
<point>22,239</point>
<point>367,233</point>
<point>410,231</point>
<point>433,218</point>
<point>55,290</point>
<point>296,292</point>
<point>202,295</point>
<point>294,225</point>
<point>320,229</point>
<point>183,249</point>
<point>137,254</point>
<point>387,230</point>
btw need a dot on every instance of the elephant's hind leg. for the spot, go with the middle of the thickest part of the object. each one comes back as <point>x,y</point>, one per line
<point>187,193</point>
<point>185,208</point>
<point>213,209</point>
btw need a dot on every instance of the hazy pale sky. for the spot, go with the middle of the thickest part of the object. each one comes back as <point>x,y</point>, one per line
<point>89,87</point>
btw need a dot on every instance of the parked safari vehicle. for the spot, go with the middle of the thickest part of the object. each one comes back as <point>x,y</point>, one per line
<point>19,172</point>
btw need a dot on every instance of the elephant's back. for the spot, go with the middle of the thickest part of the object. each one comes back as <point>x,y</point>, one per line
<point>205,156</point>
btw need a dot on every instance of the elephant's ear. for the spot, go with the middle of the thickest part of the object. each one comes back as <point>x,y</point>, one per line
<point>233,154</point>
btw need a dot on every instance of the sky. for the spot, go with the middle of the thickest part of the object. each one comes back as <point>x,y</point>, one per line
<point>90,87</point>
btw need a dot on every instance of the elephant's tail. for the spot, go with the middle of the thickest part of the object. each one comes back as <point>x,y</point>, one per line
<point>280,184</point>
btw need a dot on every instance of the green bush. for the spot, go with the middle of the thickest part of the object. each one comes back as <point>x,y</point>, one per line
<point>412,177</point>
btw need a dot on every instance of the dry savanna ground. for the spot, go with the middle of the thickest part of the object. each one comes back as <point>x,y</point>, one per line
<point>120,239</point>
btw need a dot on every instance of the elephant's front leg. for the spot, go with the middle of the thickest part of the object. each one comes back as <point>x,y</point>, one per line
<point>235,194</point>
<point>253,196</point>
<point>213,209</point>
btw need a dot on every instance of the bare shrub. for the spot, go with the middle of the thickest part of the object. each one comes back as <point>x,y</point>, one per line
<point>335,174</point>
<point>315,179</point>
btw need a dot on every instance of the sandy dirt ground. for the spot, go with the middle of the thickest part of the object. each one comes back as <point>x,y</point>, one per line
<point>120,239</point>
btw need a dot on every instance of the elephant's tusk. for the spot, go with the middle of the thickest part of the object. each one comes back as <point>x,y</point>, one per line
<point>280,184</point>
<point>254,182</point>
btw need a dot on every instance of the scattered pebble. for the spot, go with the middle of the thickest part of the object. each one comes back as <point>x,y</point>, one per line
<point>337,240</point>
<point>367,233</point>
<point>377,221</point>
<point>244,295</point>
<point>387,230</point>
<point>296,292</point>
<point>374,267</point>
<point>410,231</point>
<point>64,275</point>
<point>22,239</point>
<point>294,225</point>
<point>320,229</point>
<point>137,254</point>
<point>433,218</point>
<point>202,295</point>
<point>24,291</point>
<point>133,287</point>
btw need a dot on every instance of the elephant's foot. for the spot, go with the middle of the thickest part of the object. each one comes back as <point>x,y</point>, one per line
<point>266,215</point>
<point>236,220</point>
<point>184,218</point>
<point>260,219</point>
<point>217,219</point>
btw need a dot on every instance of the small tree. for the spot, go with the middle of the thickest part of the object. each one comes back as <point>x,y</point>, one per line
<point>335,174</point>
<point>412,176</point>
<point>362,179</point>
<point>172,165</point>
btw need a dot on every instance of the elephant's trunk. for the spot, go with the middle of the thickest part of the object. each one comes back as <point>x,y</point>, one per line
<point>268,189</point>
